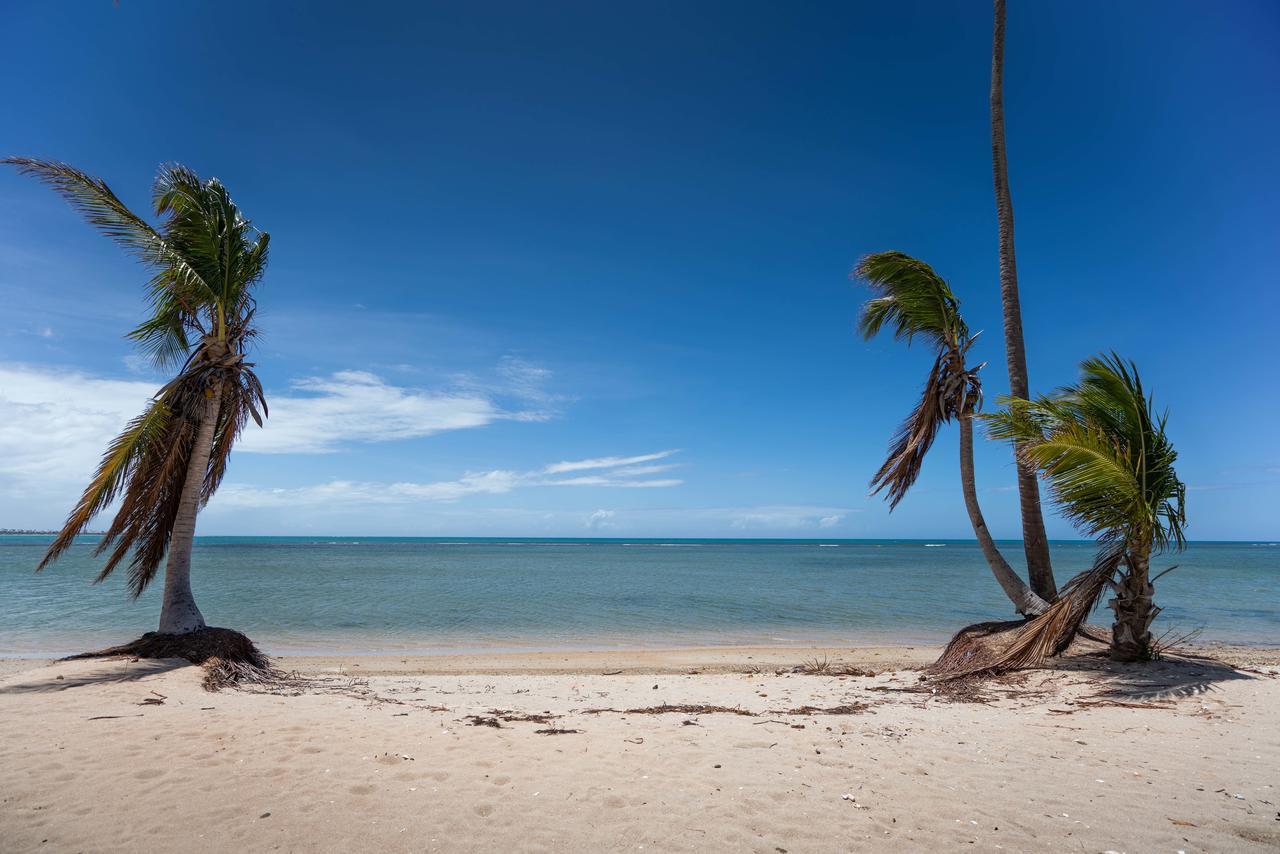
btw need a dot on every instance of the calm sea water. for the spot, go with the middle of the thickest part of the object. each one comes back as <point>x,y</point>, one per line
<point>298,595</point>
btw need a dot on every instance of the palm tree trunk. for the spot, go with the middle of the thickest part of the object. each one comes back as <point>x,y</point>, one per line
<point>179,614</point>
<point>1023,598</point>
<point>1134,610</point>
<point>1034,540</point>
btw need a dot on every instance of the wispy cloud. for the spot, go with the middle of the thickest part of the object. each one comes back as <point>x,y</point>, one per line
<point>325,413</point>
<point>609,472</point>
<point>55,423</point>
<point>605,462</point>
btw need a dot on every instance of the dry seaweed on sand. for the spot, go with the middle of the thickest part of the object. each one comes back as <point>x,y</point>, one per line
<point>523,717</point>
<point>483,720</point>
<point>667,709</point>
<point>824,667</point>
<point>846,709</point>
<point>557,731</point>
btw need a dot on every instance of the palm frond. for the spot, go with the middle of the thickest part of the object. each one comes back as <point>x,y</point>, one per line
<point>103,209</point>
<point>911,441</point>
<point>1104,453</point>
<point>911,298</point>
<point>1050,633</point>
<point>114,472</point>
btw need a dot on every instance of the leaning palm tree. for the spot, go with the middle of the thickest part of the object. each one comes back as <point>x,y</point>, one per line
<point>915,302</point>
<point>1035,541</point>
<point>205,259</point>
<point>1102,448</point>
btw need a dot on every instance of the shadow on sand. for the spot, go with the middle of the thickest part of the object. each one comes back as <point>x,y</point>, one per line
<point>1181,675</point>
<point>104,672</point>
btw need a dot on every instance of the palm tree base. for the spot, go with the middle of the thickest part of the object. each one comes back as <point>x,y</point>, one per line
<point>228,656</point>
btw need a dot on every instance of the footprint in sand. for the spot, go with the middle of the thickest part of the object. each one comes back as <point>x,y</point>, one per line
<point>362,790</point>
<point>484,810</point>
<point>501,780</point>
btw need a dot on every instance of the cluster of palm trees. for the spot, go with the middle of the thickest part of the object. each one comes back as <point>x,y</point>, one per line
<point>1099,444</point>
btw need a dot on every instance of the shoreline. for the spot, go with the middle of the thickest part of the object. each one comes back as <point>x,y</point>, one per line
<point>688,660</point>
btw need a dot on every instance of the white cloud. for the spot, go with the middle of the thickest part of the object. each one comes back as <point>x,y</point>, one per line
<point>357,406</point>
<point>601,520</point>
<point>55,423</point>
<point>605,462</point>
<point>781,517</point>
<point>498,481</point>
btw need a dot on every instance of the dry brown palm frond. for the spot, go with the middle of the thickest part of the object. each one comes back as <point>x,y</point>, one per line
<point>146,467</point>
<point>1048,634</point>
<point>912,440</point>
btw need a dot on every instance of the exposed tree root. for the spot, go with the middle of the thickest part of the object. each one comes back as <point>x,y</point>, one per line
<point>229,658</point>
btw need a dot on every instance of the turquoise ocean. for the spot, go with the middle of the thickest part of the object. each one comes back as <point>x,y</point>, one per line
<point>321,595</point>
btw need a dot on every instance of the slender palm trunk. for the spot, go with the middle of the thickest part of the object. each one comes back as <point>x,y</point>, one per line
<point>1134,609</point>
<point>1034,540</point>
<point>179,614</point>
<point>1022,597</point>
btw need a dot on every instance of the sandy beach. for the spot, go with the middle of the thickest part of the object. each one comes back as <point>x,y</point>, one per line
<point>672,750</point>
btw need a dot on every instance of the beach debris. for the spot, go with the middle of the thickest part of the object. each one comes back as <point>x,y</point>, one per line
<point>522,717</point>
<point>634,740</point>
<point>556,731</point>
<point>669,709</point>
<point>481,720</point>
<point>611,673</point>
<point>824,667</point>
<point>265,815</point>
<point>112,717</point>
<point>847,709</point>
<point>853,800</point>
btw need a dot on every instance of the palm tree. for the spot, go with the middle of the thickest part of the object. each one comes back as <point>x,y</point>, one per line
<point>916,302</point>
<point>205,259</point>
<point>1103,450</point>
<point>1034,540</point>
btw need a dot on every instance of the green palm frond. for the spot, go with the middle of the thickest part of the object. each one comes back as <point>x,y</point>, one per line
<point>914,301</point>
<point>911,299</point>
<point>1104,453</point>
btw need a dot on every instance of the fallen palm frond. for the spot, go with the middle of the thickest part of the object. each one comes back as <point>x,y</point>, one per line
<point>1038,639</point>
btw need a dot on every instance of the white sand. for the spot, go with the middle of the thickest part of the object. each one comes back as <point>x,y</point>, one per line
<point>366,763</point>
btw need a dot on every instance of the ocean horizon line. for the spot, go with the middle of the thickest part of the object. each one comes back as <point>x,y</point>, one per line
<point>445,539</point>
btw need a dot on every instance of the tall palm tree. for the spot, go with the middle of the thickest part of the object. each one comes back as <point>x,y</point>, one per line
<point>1034,540</point>
<point>915,302</point>
<point>1103,450</point>
<point>205,259</point>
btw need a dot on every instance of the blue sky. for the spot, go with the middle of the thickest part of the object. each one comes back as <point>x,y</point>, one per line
<point>578,270</point>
